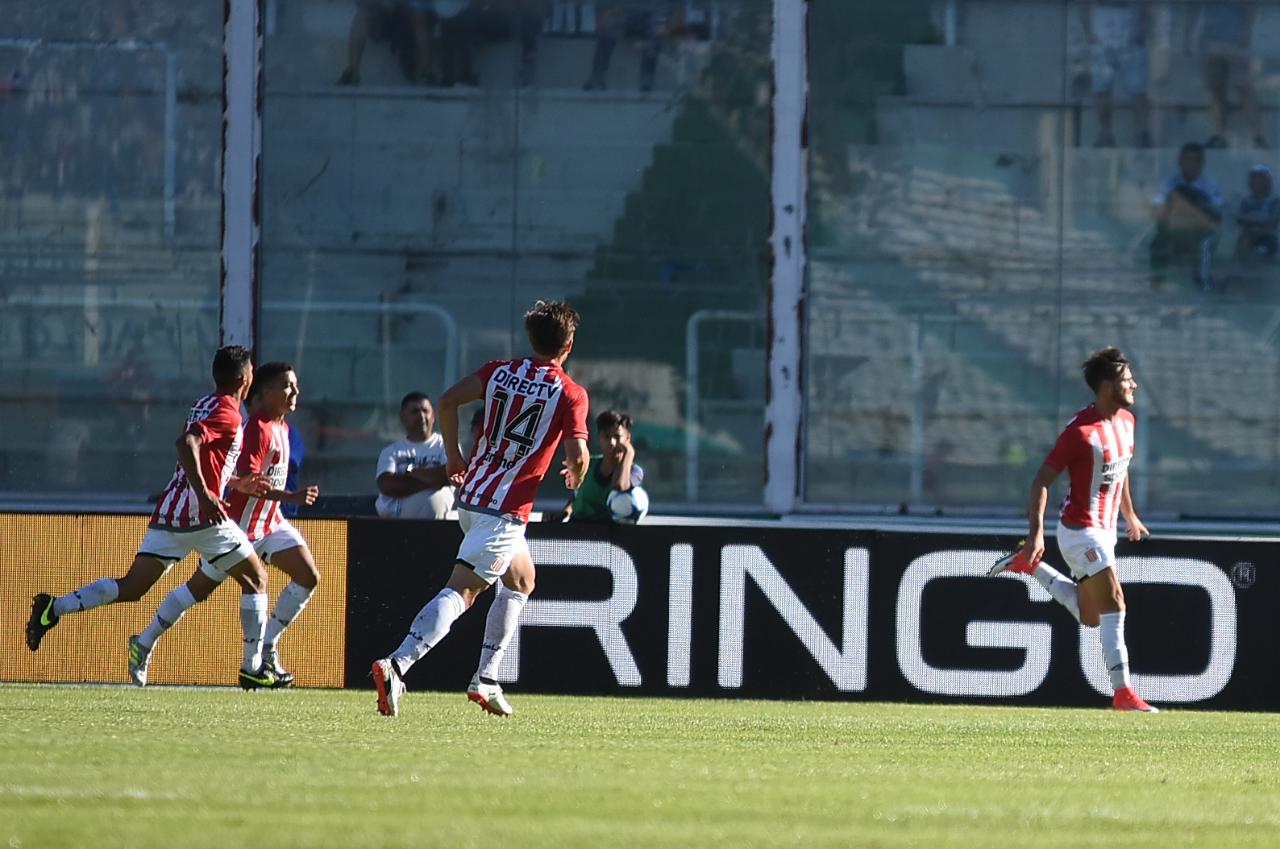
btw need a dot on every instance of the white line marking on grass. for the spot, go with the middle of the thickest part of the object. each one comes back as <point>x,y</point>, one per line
<point>81,793</point>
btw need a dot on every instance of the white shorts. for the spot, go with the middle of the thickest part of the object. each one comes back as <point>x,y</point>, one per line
<point>489,543</point>
<point>220,547</point>
<point>1087,551</point>
<point>285,536</point>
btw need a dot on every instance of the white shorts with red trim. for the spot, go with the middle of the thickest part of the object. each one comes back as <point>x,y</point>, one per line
<point>489,543</point>
<point>1087,551</point>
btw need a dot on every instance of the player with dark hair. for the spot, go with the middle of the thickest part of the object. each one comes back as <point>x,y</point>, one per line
<point>411,478</point>
<point>530,404</point>
<point>190,516</point>
<point>614,468</point>
<point>1095,449</point>
<point>266,452</point>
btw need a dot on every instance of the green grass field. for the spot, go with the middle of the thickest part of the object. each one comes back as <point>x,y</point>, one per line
<point>175,767</point>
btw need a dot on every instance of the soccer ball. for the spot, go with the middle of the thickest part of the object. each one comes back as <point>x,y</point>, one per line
<point>628,507</point>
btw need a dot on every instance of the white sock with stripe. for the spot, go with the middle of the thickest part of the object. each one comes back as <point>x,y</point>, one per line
<point>292,599</point>
<point>1062,588</point>
<point>253,619</point>
<point>175,604</point>
<point>1114,651</point>
<point>100,592</point>
<point>499,628</point>
<point>429,628</point>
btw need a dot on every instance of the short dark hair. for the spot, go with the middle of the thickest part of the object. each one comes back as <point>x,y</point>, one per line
<point>550,326</point>
<point>1192,147</point>
<point>229,362</point>
<point>266,373</point>
<point>1104,364</point>
<point>613,418</point>
<point>413,398</point>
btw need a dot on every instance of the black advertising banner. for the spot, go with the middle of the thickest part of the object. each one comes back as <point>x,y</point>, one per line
<point>820,613</point>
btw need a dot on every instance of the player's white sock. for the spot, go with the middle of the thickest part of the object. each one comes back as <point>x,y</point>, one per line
<point>1114,651</point>
<point>292,599</point>
<point>504,614</point>
<point>429,627</point>
<point>1062,588</point>
<point>100,592</point>
<point>175,604</point>
<point>253,619</point>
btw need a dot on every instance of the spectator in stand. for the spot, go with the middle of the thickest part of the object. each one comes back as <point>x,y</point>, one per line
<point>1117,36</point>
<point>460,22</point>
<point>405,25</point>
<point>1258,218</point>
<point>628,20</point>
<point>613,468</point>
<point>466,23</point>
<point>528,16</point>
<point>412,482</point>
<point>1224,41</point>
<point>1187,211</point>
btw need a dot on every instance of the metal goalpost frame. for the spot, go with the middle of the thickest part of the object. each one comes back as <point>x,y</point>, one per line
<point>241,171</point>
<point>784,400</point>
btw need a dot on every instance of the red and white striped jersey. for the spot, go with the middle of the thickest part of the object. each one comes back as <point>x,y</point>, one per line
<point>215,419</point>
<point>266,450</point>
<point>529,405</point>
<point>1096,453</point>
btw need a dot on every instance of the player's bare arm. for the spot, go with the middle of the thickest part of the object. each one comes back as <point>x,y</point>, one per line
<point>188,446</point>
<point>1033,550</point>
<point>576,460</point>
<point>251,484</point>
<point>302,497</point>
<point>1134,529</point>
<point>469,389</point>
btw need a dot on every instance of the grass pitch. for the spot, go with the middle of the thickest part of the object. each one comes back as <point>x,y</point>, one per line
<point>175,767</point>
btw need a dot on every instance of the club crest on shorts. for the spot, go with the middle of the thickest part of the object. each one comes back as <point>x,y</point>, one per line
<point>1092,555</point>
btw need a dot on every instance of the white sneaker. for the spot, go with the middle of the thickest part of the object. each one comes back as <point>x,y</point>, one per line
<point>390,686</point>
<point>139,660</point>
<point>489,696</point>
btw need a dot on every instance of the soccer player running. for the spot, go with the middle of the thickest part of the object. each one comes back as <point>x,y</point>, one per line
<point>1095,449</point>
<point>266,453</point>
<point>190,516</point>
<point>530,404</point>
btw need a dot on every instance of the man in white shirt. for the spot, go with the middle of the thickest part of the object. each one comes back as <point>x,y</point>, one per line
<point>412,482</point>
